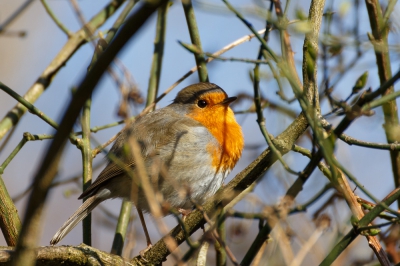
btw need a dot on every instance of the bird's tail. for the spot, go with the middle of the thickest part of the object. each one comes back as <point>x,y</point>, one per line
<point>78,216</point>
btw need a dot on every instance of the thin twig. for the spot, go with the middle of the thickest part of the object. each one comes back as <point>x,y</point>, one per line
<point>15,15</point>
<point>34,110</point>
<point>55,19</point>
<point>101,147</point>
<point>373,145</point>
<point>122,225</point>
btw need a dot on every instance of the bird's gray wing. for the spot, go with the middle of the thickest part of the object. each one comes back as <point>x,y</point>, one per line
<point>156,135</point>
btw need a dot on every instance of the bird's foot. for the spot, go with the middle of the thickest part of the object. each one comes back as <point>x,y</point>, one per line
<point>142,252</point>
<point>184,213</point>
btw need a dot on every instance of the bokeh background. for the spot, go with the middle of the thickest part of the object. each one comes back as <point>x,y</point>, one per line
<point>22,59</point>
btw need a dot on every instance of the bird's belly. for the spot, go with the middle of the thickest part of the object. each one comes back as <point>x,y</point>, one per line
<point>181,189</point>
<point>183,171</point>
<point>197,187</point>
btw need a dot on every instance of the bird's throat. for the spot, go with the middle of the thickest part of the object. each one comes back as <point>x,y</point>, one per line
<point>222,125</point>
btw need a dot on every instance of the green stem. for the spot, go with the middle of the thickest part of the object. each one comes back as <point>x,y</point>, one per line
<point>195,38</point>
<point>87,161</point>
<point>12,155</point>
<point>159,42</point>
<point>388,12</point>
<point>122,225</point>
<point>384,99</point>
<point>28,105</point>
<point>55,19</point>
<point>10,223</point>
<point>371,215</point>
<point>338,249</point>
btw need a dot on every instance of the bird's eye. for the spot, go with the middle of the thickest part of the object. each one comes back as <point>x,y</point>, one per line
<point>201,103</point>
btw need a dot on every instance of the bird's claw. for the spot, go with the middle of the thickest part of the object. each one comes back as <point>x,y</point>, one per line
<point>184,213</point>
<point>142,252</point>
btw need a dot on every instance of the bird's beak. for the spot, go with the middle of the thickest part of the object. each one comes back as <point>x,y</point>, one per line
<point>228,101</point>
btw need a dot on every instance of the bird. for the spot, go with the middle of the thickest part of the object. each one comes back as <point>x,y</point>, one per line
<point>190,145</point>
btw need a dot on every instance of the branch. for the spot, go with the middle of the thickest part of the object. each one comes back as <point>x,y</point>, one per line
<point>373,145</point>
<point>68,255</point>
<point>195,37</point>
<point>379,39</point>
<point>159,42</point>
<point>34,110</point>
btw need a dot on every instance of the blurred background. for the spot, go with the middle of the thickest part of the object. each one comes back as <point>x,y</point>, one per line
<point>32,40</point>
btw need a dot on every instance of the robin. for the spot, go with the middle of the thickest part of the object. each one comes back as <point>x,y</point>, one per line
<point>192,143</point>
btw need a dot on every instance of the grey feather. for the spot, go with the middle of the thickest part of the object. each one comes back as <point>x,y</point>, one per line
<point>78,216</point>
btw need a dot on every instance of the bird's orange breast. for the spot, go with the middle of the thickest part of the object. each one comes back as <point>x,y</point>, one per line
<point>220,121</point>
